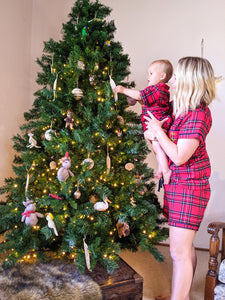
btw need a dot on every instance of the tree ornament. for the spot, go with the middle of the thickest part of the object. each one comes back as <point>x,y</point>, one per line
<point>142,190</point>
<point>52,164</point>
<point>51,223</point>
<point>129,166</point>
<point>93,199</point>
<point>102,206</point>
<point>119,133</point>
<point>96,67</point>
<point>77,193</point>
<point>85,31</point>
<point>64,172</point>
<point>54,87</point>
<point>120,119</point>
<point>32,141</point>
<point>91,79</point>
<point>69,120</point>
<point>87,254</point>
<point>123,229</point>
<point>55,196</point>
<point>108,161</point>
<point>78,94</point>
<point>132,201</point>
<point>107,43</point>
<point>113,86</point>
<point>89,161</point>
<point>49,133</point>
<point>81,64</point>
<point>30,216</point>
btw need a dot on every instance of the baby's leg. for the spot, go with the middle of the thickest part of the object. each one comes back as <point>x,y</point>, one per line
<point>163,167</point>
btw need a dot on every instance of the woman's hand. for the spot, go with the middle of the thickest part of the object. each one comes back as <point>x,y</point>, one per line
<point>153,124</point>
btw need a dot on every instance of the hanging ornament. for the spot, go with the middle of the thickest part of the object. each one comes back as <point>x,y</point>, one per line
<point>64,172</point>
<point>55,196</point>
<point>81,64</point>
<point>113,86</point>
<point>53,70</point>
<point>51,223</point>
<point>137,178</point>
<point>123,229</point>
<point>119,133</point>
<point>30,216</point>
<point>52,164</point>
<point>69,120</point>
<point>102,206</point>
<point>54,87</point>
<point>32,141</point>
<point>87,254</point>
<point>96,67</point>
<point>93,199</point>
<point>132,201</point>
<point>89,161</point>
<point>49,133</point>
<point>107,43</point>
<point>108,161</point>
<point>85,31</point>
<point>91,79</point>
<point>78,94</point>
<point>77,193</point>
<point>120,119</point>
<point>129,166</point>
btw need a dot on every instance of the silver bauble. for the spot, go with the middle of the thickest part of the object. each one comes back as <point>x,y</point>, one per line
<point>48,134</point>
<point>78,94</point>
<point>90,163</point>
<point>77,194</point>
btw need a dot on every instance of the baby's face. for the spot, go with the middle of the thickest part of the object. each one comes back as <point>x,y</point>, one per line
<point>154,74</point>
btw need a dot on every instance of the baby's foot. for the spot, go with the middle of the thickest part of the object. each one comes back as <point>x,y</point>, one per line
<point>166,176</point>
<point>158,175</point>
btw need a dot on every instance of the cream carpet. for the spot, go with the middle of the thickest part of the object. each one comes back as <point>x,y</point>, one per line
<point>157,276</point>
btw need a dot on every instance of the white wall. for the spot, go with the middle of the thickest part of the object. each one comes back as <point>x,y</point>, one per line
<point>147,29</point>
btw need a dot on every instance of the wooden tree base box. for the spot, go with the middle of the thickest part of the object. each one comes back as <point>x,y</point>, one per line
<point>124,284</point>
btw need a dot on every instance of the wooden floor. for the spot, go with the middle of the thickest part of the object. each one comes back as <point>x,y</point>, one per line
<point>157,276</point>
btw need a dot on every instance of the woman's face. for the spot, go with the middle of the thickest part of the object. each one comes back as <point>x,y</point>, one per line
<point>173,82</point>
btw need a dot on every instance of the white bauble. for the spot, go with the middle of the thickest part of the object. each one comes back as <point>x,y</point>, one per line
<point>77,194</point>
<point>90,162</point>
<point>78,94</point>
<point>48,134</point>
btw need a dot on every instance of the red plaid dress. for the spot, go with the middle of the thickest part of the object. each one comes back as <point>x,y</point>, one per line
<point>187,195</point>
<point>156,99</point>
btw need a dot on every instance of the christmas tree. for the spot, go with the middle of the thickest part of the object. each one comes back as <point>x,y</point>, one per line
<point>81,189</point>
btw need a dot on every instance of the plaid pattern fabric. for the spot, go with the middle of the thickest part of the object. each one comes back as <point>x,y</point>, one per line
<point>187,195</point>
<point>156,100</point>
<point>184,206</point>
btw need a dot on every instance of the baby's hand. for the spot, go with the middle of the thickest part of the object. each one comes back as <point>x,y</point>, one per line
<point>119,89</point>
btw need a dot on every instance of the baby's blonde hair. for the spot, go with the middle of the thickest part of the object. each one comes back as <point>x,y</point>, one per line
<point>195,84</point>
<point>167,68</point>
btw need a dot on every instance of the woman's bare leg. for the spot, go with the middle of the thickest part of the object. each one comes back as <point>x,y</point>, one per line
<point>184,262</point>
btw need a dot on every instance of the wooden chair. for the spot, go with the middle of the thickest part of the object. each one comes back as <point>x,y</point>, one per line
<point>212,275</point>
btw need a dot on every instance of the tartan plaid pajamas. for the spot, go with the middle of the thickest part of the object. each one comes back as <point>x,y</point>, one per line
<point>187,195</point>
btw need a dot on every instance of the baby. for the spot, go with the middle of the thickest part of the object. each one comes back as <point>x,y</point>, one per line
<point>156,99</point>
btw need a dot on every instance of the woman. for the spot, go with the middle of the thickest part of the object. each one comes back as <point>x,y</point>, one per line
<point>187,194</point>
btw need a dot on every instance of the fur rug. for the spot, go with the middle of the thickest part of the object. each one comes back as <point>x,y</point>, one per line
<point>47,281</point>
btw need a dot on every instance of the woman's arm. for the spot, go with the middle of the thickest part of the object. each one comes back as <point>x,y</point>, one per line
<point>179,153</point>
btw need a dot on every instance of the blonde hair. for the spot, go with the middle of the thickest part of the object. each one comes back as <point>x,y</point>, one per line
<point>166,66</point>
<point>195,84</point>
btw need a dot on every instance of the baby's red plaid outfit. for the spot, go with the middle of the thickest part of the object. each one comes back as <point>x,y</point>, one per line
<point>187,195</point>
<point>156,99</point>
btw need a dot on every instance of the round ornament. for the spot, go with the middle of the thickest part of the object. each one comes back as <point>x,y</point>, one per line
<point>78,94</point>
<point>129,166</point>
<point>52,165</point>
<point>120,119</point>
<point>48,134</point>
<point>77,194</point>
<point>90,163</point>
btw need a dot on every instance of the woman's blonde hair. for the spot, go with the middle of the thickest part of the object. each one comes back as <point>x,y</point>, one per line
<point>195,84</point>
